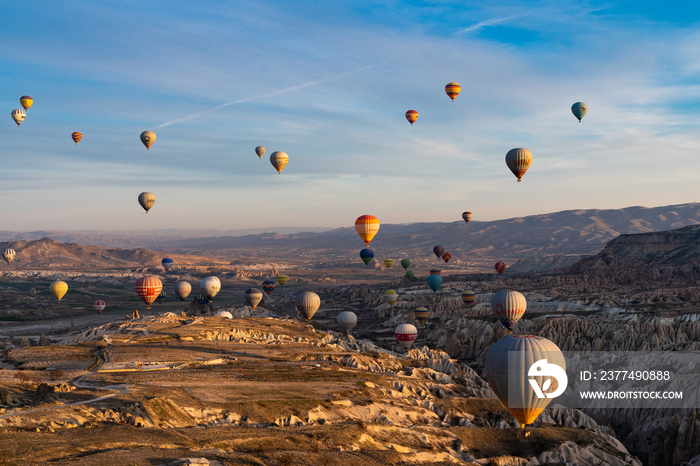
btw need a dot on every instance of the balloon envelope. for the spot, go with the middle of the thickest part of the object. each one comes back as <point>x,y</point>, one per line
<point>410,274</point>
<point>8,255</point>
<point>210,287</point>
<point>224,314</point>
<point>406,334</point>
<point>253,296</point>
<point>161,297</point>
<point>77,136</point>
<point>388,263</point>
<point>509,307</point>
<point>438,250</point>
<point>18,116</point>
<point>366,255</point>
<point>467,216</point>
<point>579,109</point>
<point>367,226</point>
<point>446,257</point>
<point>279,160</point>
<point>268,286</point>
<point>148,138</point>
<point>500,267</point>
<point>260,150</point>
<point>421,313</point>
<point>411,116</point>
<point>148,289</point>
<point>167,263</point>
<point>519,160</point>
<point>26,101</point>
<point>308,303</point>
<point>282,280</point>
<point>452,90</point>
<point>608,258</point>
<point>434,282</point>
<point>347,321</point>
<point>469,298</point>
<point>99,306</point>
<point>390,296</point>
<point>435,272</point>
<point>405,263</point>
<point>59,289</point>
<point>182,290</point>
<point>147,200</point>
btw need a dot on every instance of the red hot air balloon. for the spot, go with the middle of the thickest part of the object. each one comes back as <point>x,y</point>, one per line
<point>406,334</point>
<point>411,116</point>
<point>500,267</point>
<point>446,257</point>
<point>99,306</point>
<point>438,250</point>
<point>148,289</point>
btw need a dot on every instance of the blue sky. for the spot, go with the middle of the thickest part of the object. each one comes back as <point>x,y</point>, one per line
<point>116,69</point>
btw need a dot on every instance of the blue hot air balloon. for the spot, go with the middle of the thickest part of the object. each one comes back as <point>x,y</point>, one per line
<point>167,263</point>
<point>366,255</point>
<point>434,282</point>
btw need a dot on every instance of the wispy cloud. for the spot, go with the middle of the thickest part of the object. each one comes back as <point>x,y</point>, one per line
<point>485,23</point>
<point>263,96</point>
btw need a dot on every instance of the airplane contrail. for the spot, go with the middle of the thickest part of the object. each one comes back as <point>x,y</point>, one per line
<point>263,96</point>
<point>488,22</point>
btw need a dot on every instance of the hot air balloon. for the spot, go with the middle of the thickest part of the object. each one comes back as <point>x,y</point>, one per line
<point>608,258</point>
<point>182,290</point>
<point>388,263</point>
<point>77,136</point>
<point>469,298</point>
<point>201,299</point>
<point>26,101</point>
<point>161,297</point>
<point>446,257</point>
<point>530,355</point>
<point>282,280</point>
<point>268,286</point>
<point>147,200</point>
<point>406,334</point>
<point>308,303</point>
<point>253,296</point>
<point>366,255</point>
<point>148,138</point>
<point>367,226</point>
<point>260,150</point>
<point>579,110</point>
<point>467,216</point>
<point>452,90</point>
<point>224,314</point>
<point>434,282</point>
<point>435,272</point>
<point>390,296</point>
<point>279,160</point>
<point>347,321</point>
<point>18,115</point>
<point>411,116</point>
<point>210,287</point>
<point>99,306</point>
<point>8,255</point>
<point>148,289</point>
<point>519,160</point>
<point>167,263</point>
<point>500,267</point>
<point>421,313</point>
<point>59,289</point>
<point>438,250</point>
<point>410,274</point>
<point>509,307</point>
<point>405,263</point>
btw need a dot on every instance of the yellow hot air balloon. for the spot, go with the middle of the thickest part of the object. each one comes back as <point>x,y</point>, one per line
<point>452,90</point>
<point>519,160</point>
<point>59,289</point>
<point>367,226</point>
<point>390,296</point>
<point>282,280</point>
<point>279,160</point>
<point>388,263</point>
<point>148,138</point>
<point>26,101</point>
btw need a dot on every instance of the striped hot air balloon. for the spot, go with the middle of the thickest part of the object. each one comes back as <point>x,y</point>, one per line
<point>99,306</point>
<point>308,303</point>
<point>347,321</point>
<point>519,160</point>
<point>25,101</point>
<point>509,307</point>
<point>469,298</point>
<point>421,314</point>
<point>411,116</point>
<point>148,138</point>
<point>467,216</point>
<point>500,267</point>
<point>161,297</point>
<point>438,250</point>
<point>279,160</point>
<point>367,226</point>
<point>282,280</point>
<point>390,296</point>
<point>406,334</point>
<point>388,263</point>
<point>148,289</point>
<point>253,296</point>
<point>268,286</point>
<point>446,257</point>
<point>18,115</point>
<point>435,272</point>
<point>8,255</point>
<point>59,289</point>
<point>77,136</point>
<point>452,90</point>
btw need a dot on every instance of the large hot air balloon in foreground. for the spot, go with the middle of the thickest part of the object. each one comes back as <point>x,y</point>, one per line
<point>147,200</point>
<point>390,296</point>
<point>59,289</point>
<point>268,286</point>
<point>167,263</point>
<point>579,110</point>
<point>452,90</point>
<point>536,367</point>
<point>438,250</point>
<point>388,263</point>
<point>308,303</point>
<point>608,258</point>
<point>210,287</point>
<point>18,115</point>
<point>411,116</point>
<point>434,282</point>
<point>282,280</point>
<point>367,226</point>
<point>446,257</point>
<point>421,314</point>
<point>500,267</point>
<point>260,150</point>
<point>469,298</point>
<point>253,296</point>
<point>182,290</point>
<point>25,101</point>
<point>509,307</point>
<point>347,321</point>
<point>148,289</point>
<point>467,216</point>
<point>279,160</point>
<point>406,334</point>
<point>148,138</point>
<point>99,306</point>
<point>8,255</point>
<point>366,255</point>
<point>76,136</point>
<point>519,160</point>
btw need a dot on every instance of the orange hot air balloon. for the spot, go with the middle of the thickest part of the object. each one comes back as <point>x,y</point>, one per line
<point>452,90</point>
<point>148,289</point>
<point>367,226</point>
<point>26,101</point>
<point>411,116</point>
<point>500,267</point>
<point>77,136</point>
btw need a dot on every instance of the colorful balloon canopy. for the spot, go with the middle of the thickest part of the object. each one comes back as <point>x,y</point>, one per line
<point>260,151</point>
<point>279,160</point>
<point>18,115</point>
<point>579,110</point>
<point>406,334</point>
<point>366,255</point>
<point>253,296</point>
<point>148,138</point>
<point>405,263</point>
<point>367,226</point>
<point>210,287</point>
<point>76,136</point>
<point>26,101</point>
<point>533,362</point>
<point>308,303</point>
<point>347,321</point>
<point>421,314</point>
<point>59,289</point>
<point>519,160</point>
<point>509,307</point>
<point>148,289</point>
<point>390,296</point>
<point>161,297</point>
<point>201,299</point>
<point>446,257</point>
<point>438,250</point>
<point>435,272</point>
<point>410,274</point>
<point>147,200</point>
<point>500,267</point>
<point>282,280</point>
<point>434,282</point>
<point>167,263</point>
<point>608,258</point>
<point>8,255</point>
<point>268,286</point>
<point>411,116</point>
<point>467,216</point>
<point>182,290</point>
<point>388,263</point>
<point>452,90</point>
<point>469,298</point>
<point>99,306</point>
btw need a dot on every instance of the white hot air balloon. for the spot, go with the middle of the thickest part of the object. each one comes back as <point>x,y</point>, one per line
<point>224,314</point>
<point>308,303</point>
<point>182,290</point>
<point>8,255</point>
<point>509,307</point>
<point>210,287</point>
<point>406,334</point>
<point>347,321</point>
<point>18,115</point>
